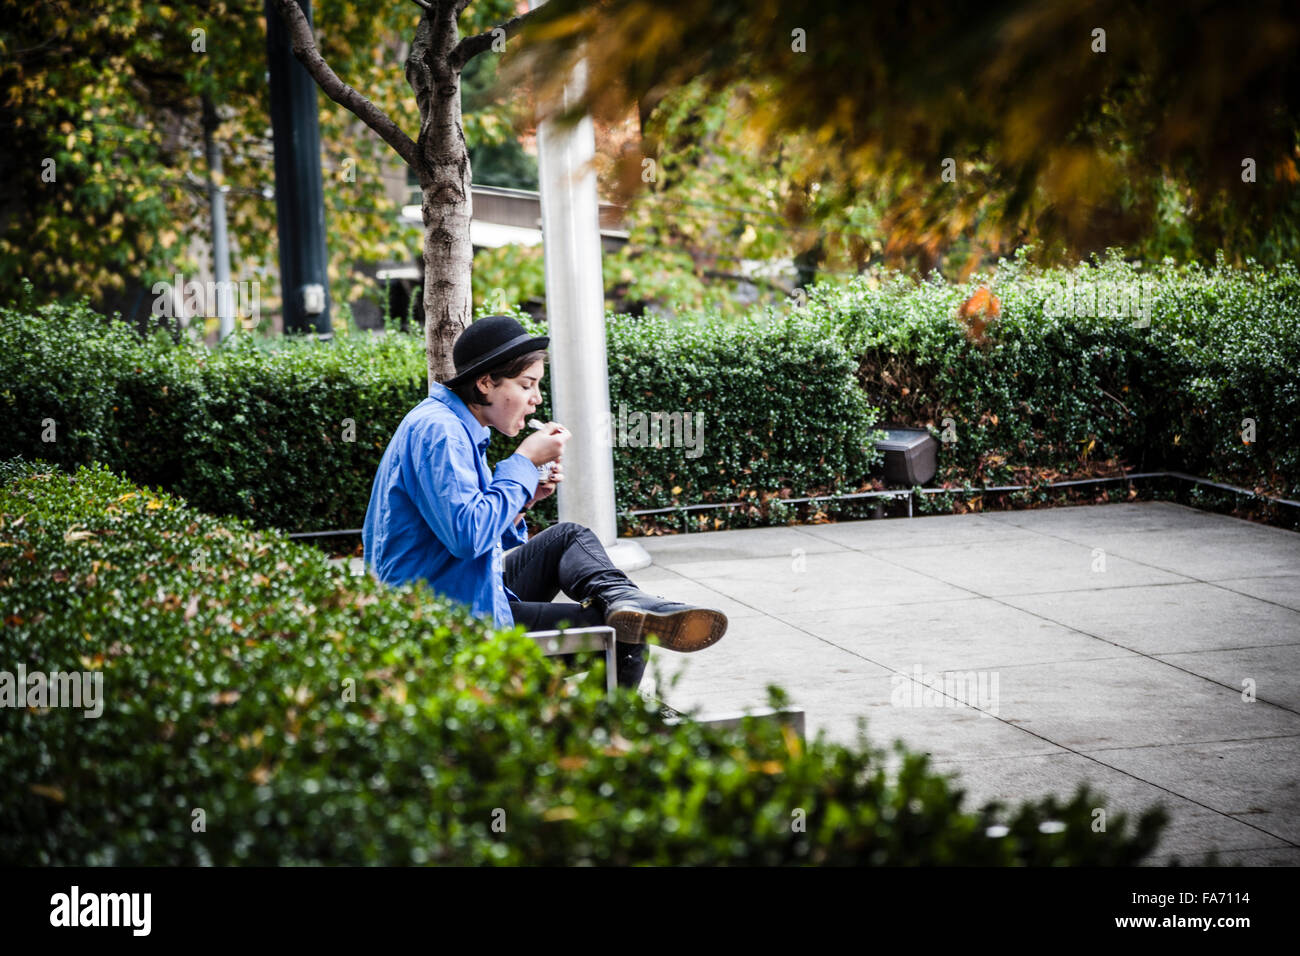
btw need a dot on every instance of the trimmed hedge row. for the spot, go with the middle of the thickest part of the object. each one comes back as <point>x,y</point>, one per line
<point>750,410</point>
<point>1023,396</point>
<point>1034,395</point>
<point>255,430</point>
<point>260,706</point>
<point>289,434</point>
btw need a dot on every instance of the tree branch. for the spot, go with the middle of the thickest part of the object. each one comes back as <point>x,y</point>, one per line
<point>470,47</point>
<point>423,4</point>
<point>304,48</point>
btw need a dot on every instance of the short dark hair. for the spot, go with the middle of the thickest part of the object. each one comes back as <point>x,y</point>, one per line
<point>469,393</point>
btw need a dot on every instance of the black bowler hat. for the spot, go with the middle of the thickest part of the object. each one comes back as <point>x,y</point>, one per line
<point>489,342</point>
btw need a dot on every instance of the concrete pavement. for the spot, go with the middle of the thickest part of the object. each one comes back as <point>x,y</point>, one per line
<point>1147,649</point>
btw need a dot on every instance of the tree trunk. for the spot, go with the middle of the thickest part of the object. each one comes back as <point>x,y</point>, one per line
<point>439,155</point>
<point>447,205</point>
<point>446,200</point>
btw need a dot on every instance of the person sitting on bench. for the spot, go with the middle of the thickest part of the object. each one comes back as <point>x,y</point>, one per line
<point>437,512</point>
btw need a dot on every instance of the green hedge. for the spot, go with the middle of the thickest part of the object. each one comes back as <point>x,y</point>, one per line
<point>313,717</point>
<point>777,400</point>
<point>254,429</point>
<point>1046,396</point>
<point>258,430</point>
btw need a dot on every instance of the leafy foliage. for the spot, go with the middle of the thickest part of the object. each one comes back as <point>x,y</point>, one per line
<point>508,277</point>
<point>112,98</point>
<point>262,707</point>
<point>1040,395</point>
<point>290,434</point>
<point>788,399</point>
<point>1050,131</point>
<point>718,211</point>
<point>775,400</point>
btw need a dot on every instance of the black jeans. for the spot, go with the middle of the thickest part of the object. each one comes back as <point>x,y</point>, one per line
<point>567,557</point>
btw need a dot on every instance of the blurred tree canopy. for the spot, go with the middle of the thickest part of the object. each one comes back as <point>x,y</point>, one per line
<point>499,159</point>
<point>831,133</point>
<point>718,221</point>
<point>1165,127</point>
<point>101,112</point>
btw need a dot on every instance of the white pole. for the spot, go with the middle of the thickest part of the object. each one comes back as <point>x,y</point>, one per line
<point>220,241</point>
<point>575,309</point>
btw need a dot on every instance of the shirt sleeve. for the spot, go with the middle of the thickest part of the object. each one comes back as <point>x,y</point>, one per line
<point>445,487</point>
<point>515,535</point>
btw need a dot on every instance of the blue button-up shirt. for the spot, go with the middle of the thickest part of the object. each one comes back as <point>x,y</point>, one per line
<point>436,511</point>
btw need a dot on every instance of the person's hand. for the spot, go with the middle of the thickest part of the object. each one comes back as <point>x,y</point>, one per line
<point>547,488</point>
<point>545,444</point>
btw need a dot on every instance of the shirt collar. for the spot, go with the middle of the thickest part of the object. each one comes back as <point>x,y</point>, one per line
<point>481,434</point>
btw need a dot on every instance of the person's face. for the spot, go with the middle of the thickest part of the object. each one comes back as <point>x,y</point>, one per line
<point>512,399</point>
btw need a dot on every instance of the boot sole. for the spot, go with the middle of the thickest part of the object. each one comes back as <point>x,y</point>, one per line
<point>685,631</point>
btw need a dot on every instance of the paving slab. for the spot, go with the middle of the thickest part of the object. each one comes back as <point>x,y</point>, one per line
<point>816,581</point>
<point>1165,619</point>
<point>1131,702</point>
<point>976,632</point>
<point>1273,671</point>
<point>673,549</point>
<point>757,652</point>
<point>1266,856</point>
<point>1193,829</point>
<point>931,530</point>
<point>1254,780</point>
<point>1129,516</point>
<point>1283,589</point>
<point>892,708</point>
<point>1127,678</point>
<point>1038,564</point>
<point>955,729</point>
<point>1206,554</point>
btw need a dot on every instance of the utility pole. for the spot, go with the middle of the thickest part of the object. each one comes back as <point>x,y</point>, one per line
<point>575,310</point>
<point>299,196</point>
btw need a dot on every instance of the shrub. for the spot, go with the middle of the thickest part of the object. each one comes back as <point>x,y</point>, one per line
<point>260,431</point>
<point>290,434</point>
<point>1040,396</point>
<point>774,404</point>
<point>262,707</point>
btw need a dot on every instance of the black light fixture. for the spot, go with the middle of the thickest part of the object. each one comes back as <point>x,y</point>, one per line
<point>911,456</point>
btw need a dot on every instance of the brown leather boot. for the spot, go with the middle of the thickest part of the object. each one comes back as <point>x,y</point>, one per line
<point>640,618</point>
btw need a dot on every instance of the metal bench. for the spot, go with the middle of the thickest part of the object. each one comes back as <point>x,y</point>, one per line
<point>793,716</point>
<point>573,639</point>
<point>601,638</point>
